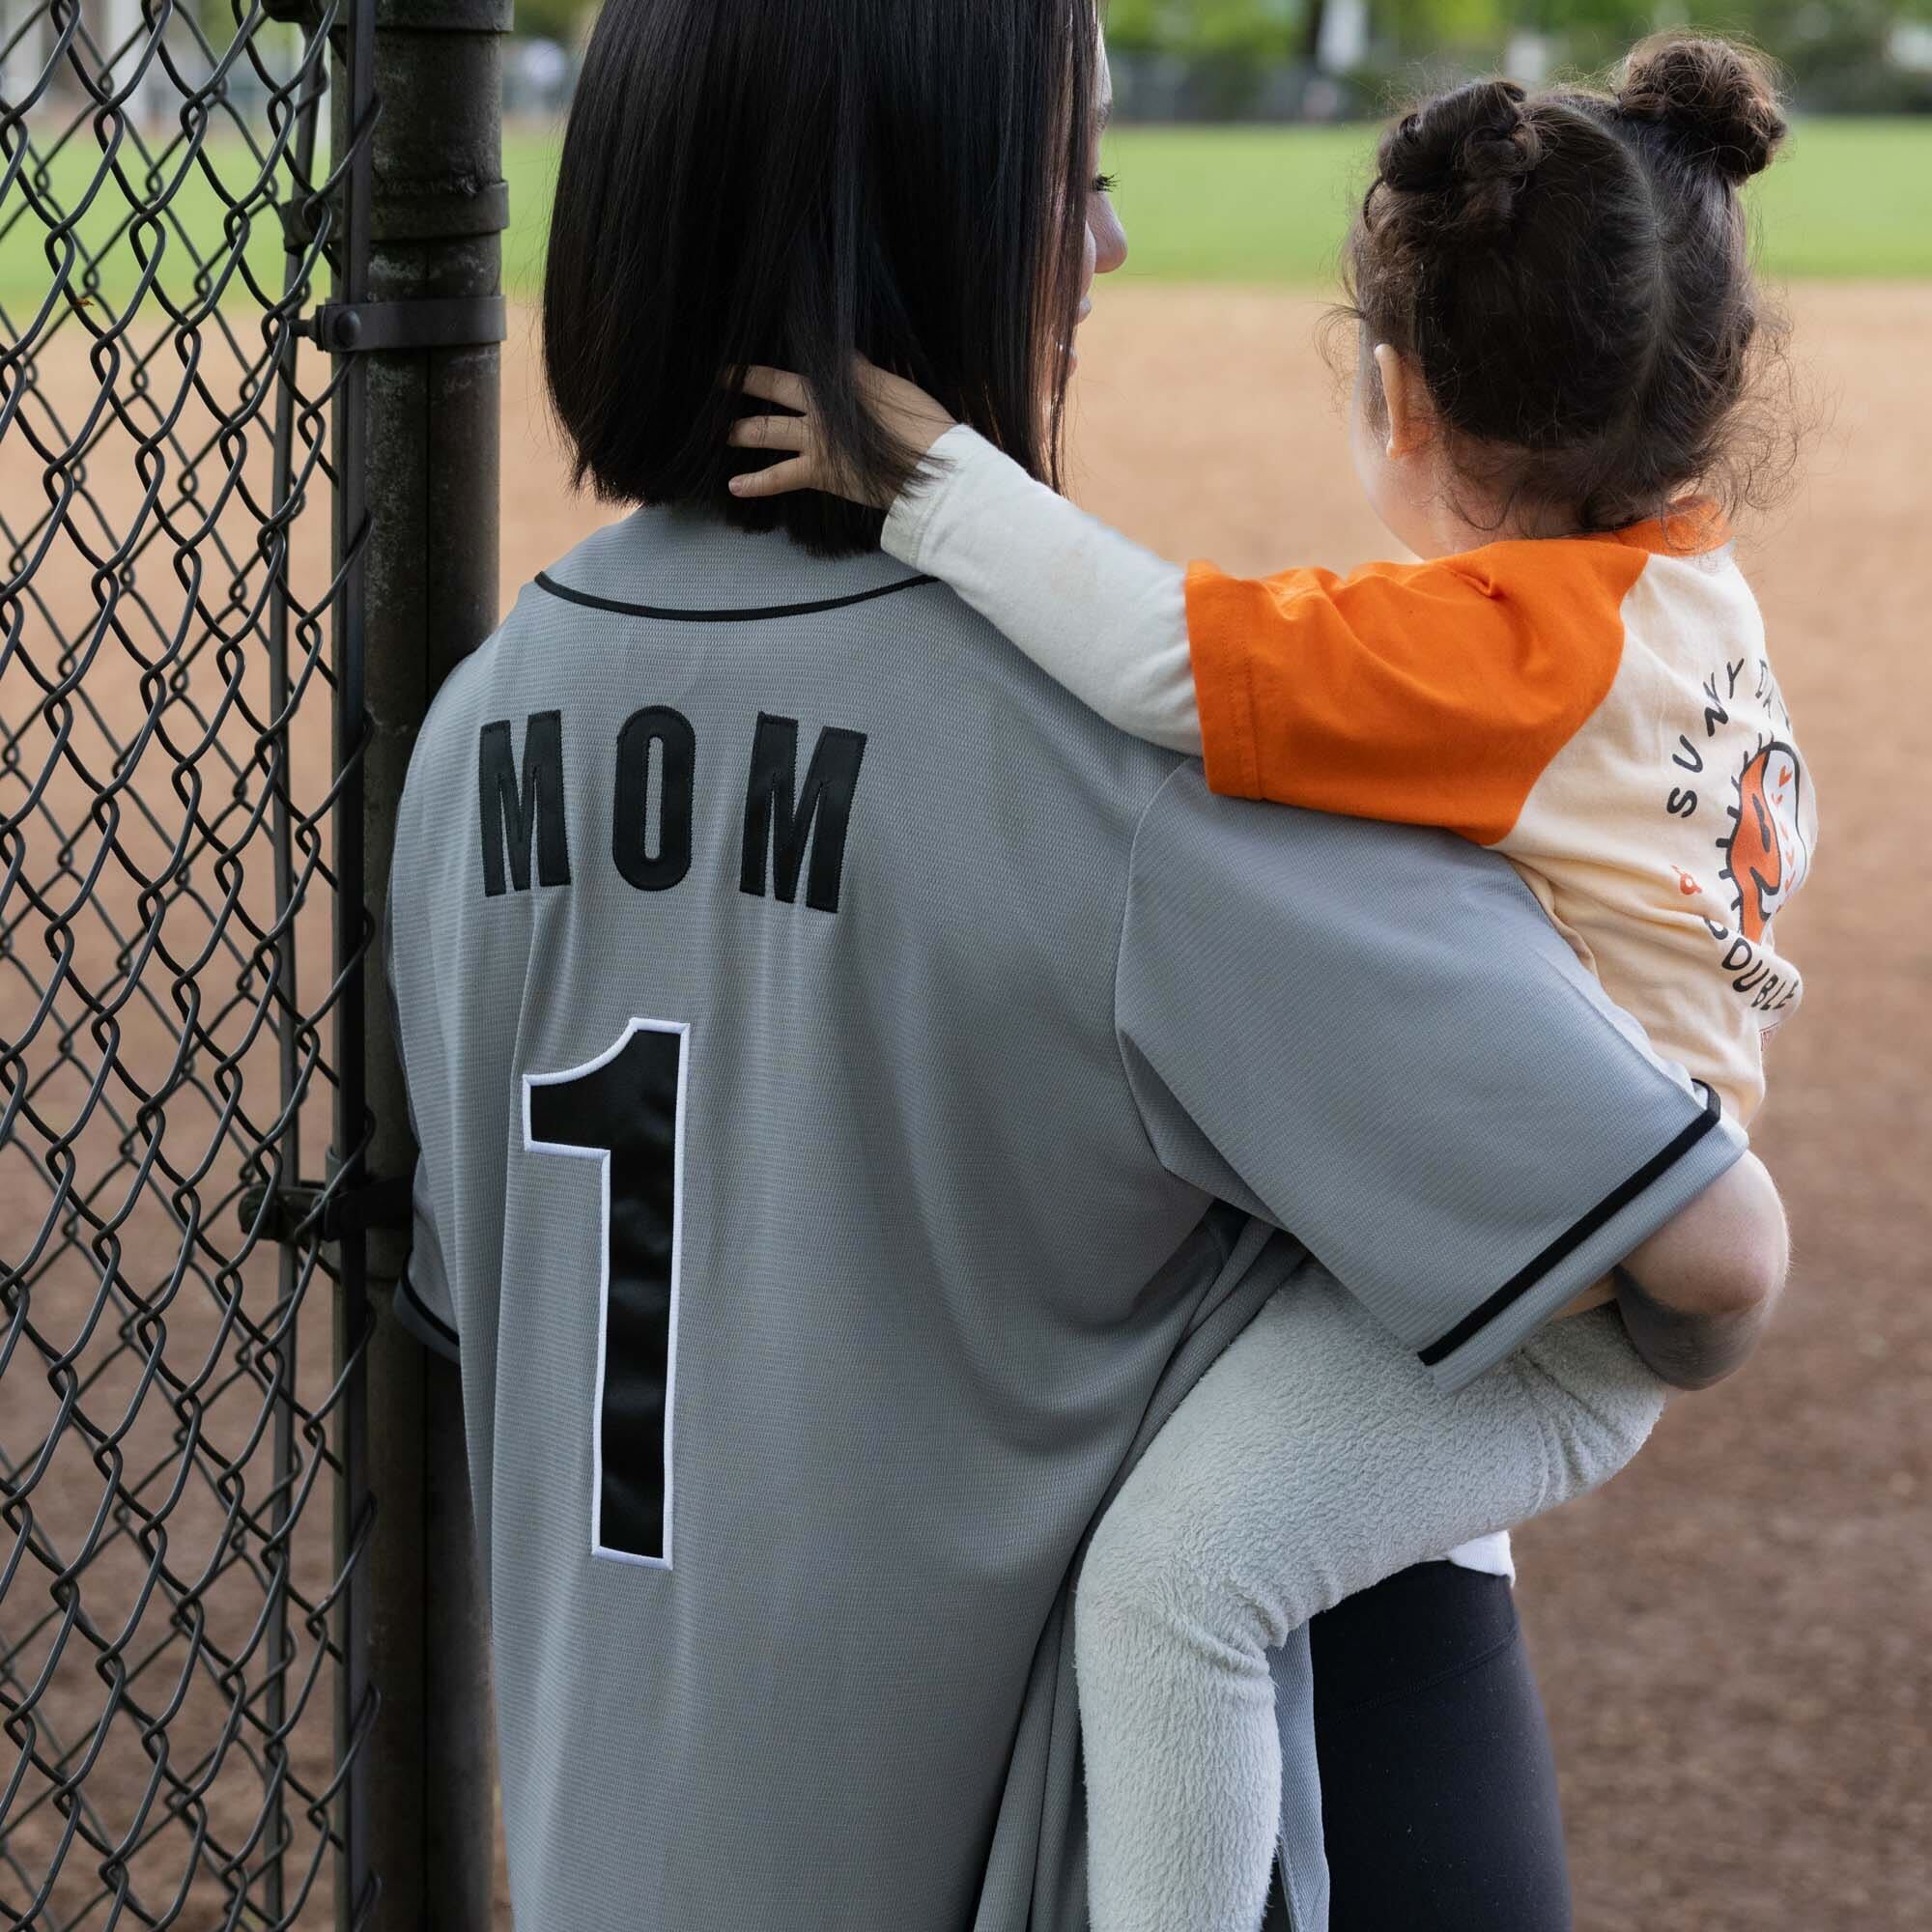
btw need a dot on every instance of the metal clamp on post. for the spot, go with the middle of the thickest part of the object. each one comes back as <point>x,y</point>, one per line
<point>418,321</point>
<point>377,1203</point>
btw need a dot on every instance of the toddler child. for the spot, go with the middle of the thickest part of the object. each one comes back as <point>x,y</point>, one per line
<point>1557,324</point>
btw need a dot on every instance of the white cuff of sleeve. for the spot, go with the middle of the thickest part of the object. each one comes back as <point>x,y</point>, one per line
<point>912,512</point>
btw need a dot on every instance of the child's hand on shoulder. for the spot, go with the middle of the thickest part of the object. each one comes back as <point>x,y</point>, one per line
<point>902,408</point>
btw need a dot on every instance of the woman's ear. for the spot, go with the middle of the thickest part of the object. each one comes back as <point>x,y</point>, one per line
<point>1406,403</point>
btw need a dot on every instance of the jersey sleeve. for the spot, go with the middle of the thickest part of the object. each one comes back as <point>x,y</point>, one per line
<point>424,1303</point>
<point>1423,693</point>
<point>1372,1036</point>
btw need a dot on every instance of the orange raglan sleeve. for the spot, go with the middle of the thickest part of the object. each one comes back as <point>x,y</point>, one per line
<point>1430,693</point>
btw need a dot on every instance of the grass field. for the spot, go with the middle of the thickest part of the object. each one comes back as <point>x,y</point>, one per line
<point>1852,198</point>
<point>1269,205</point>
<point>1229,205</point>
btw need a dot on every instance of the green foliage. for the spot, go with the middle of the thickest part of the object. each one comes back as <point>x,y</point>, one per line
<point>1838,54</point>
<point>1836,49</point>
<point>552,19</point>
<point>1620,21</point>
<point>1261,29</point>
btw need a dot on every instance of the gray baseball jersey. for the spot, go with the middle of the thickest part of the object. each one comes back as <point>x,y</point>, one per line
<point>859,1091</point>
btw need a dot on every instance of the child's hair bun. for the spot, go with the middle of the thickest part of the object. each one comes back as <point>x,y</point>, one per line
<point>1475,147</point>
<point>1720,99</point>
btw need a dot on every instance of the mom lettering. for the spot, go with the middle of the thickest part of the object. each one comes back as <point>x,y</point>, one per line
<point>790,833</point>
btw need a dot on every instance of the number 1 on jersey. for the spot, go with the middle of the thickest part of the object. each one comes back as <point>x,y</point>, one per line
<point>625,1111</point>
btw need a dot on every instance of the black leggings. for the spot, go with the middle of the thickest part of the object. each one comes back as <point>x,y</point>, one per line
<point>1439,1787</point>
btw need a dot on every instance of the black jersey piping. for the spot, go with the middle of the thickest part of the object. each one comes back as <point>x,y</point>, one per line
<point>438,1329</point>
<point>749,615</point>
<point>1577,1234</point>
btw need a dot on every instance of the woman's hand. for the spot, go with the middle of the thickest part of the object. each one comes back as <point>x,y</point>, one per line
<point>903,409</point>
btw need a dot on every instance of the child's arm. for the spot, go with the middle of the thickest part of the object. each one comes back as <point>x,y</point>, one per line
<point>1094,611</point>
<point>1408,692</point>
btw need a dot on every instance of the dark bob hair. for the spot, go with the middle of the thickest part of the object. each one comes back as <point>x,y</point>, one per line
<point>789,181</point>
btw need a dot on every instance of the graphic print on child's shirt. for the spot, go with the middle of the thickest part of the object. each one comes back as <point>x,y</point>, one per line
<point>1743,757</point>
<point>1766,857</point>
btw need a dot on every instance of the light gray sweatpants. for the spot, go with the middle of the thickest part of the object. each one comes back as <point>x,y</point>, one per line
<point>1316,1457</point>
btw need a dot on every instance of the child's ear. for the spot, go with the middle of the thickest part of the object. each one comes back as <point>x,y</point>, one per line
<point>1405,402</point>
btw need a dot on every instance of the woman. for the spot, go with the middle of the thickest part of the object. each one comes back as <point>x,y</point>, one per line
<point>858,1092</point>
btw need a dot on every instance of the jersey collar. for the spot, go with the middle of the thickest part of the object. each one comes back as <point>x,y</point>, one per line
<point>681,566</point>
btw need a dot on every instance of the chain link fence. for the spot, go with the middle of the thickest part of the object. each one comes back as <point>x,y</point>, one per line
<point>181,1494</point>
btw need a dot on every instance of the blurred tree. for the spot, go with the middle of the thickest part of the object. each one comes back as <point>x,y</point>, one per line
<point>1310,37</point>
<point>1288,27</point>
<point>1261,29</point>
<point>1838,52</point>
<point>555,20</point>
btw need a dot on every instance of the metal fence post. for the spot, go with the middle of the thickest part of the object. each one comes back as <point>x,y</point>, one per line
<point>437,206</point>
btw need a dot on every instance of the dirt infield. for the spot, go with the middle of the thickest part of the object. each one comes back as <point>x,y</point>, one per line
<point>1736,1637</point>
<point>1733,1637</point>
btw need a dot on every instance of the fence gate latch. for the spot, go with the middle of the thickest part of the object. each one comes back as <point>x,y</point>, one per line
<point>381,1202</point>
<point>416,322</point>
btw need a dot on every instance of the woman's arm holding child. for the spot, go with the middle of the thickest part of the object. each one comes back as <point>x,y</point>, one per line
<point>1109,621</point>
<point>1699,1294</point>
<point>1099,615</point>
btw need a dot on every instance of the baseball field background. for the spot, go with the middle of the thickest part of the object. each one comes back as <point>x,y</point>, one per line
<point>1735,1637</point>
